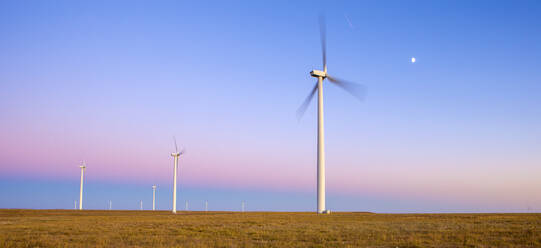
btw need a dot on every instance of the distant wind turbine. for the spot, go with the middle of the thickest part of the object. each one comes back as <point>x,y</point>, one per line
<point>175,155</point>
<point>355,89</point>
<point>153,197</point>
<point>83,166</point>
<point>141,207</point>
<point>206,206</point>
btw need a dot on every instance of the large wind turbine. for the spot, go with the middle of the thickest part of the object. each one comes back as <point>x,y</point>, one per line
<point>353,88</point>
<point>83,166</point>
<point>175,155</point>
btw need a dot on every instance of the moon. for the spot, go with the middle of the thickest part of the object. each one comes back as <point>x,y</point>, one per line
<point>412,60</point>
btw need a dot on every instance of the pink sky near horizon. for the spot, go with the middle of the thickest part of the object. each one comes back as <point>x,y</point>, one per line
<point>118,158</point>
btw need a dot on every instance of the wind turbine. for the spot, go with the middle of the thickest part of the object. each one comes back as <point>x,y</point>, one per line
<point>355,89</point>
<point>175,155</point>
<point>83,166</point>
<point>153,197</point>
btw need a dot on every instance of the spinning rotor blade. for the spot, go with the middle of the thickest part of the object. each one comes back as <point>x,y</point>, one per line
<point>323,36</point>
<point>176,147</point>
<point>304,106</point>
<point>357,90</point>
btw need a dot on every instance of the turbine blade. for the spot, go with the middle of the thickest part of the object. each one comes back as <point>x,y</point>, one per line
<point>323,36</point>
<point>304,106</point>
<point>176,147</point>
<point>357,90</point>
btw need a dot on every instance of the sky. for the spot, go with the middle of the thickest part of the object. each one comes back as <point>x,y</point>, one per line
<point>111,83</point>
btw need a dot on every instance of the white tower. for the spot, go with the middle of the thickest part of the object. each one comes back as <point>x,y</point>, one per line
<point>153,197</point>
<point>206,206</point>
<point>110,205</point>
<point>141,203</point>
<point>83,166</point>
<point>175,155</point>
<point>320,149</point>
<point>186,205</point>
<point>320,75</point>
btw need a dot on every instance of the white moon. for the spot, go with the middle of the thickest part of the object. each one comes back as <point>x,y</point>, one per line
<point>412,59</point>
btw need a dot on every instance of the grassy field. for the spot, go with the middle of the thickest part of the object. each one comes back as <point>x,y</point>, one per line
<point>71,228</point>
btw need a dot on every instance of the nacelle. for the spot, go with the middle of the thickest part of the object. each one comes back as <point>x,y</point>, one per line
<point>318,73</point>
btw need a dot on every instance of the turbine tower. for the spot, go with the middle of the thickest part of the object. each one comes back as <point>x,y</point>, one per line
<point>153,197</point>
<point>83,166</point>
<point>175,155</point>
<point>355,89</point>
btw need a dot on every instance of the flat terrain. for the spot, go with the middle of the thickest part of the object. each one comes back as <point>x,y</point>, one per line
<point>71,228</point>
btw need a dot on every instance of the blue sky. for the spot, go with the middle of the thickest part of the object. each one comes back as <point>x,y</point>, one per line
<point>112,82</point>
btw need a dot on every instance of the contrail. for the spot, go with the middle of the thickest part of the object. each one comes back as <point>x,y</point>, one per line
<point>349,22</point>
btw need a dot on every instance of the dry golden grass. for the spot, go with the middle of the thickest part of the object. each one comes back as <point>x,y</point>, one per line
<point>71,228</point>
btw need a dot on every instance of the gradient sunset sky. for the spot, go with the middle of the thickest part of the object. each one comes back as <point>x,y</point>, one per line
<point>111,82</point>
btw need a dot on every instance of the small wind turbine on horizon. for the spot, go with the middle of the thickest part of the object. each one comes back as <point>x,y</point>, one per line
<point>83,166</point>
<point>153,197</point>
<point>355,89</point>
<point>175,155</point>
